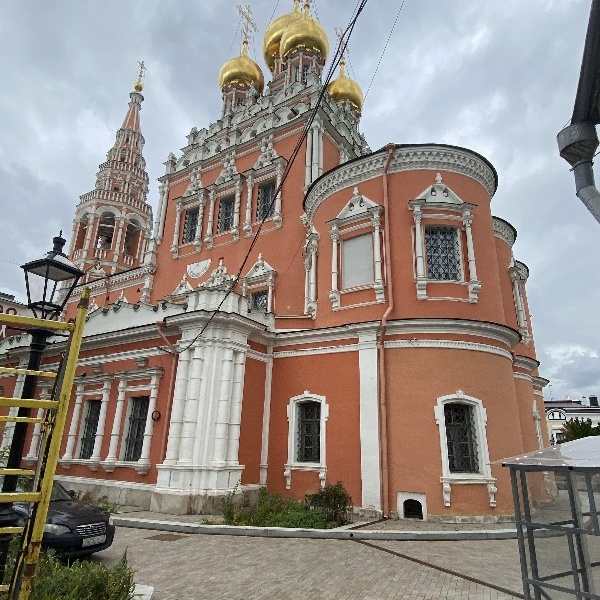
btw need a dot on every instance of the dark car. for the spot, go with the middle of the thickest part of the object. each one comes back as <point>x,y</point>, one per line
<point>73,528</point>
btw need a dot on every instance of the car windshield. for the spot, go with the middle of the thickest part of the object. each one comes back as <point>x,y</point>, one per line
<point>25,484</point>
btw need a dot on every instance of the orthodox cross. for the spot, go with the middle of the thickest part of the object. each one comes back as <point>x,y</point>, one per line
<point>141,70</point>
<point>340,35</point>
<point>246,13</point>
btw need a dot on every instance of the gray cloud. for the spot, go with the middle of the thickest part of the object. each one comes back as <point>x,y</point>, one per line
<point>497,77</point>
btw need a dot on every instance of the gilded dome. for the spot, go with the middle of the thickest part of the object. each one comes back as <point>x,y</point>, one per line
<point>241,70</point>
<point>272,37</point>
<point>343,88</point>
<point>305,33</point>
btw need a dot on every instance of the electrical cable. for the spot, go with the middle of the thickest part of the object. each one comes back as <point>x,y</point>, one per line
<point>335,62</point>
<point>234,37</point>
<point>385,48</point>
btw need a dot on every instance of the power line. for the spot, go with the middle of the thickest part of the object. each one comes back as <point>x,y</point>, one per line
<point>385,48</point>
<point>335,62</point>
<point>234,37</point>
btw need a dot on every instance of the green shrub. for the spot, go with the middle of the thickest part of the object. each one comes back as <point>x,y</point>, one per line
<point>273,510</point>
<point>335,501</point>
<point>82,580</point>
<point>103,503</point>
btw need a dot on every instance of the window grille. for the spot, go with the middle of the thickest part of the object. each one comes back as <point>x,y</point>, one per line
<point>89,428</point>
<point>225,222</point>
<point>137,426</point>
<point>265,204</point>
<point>443,253</point>
<point>309,432</point>
<point>461,438</point>
<point>190,225</point>
<point>305,72</point>
<point>259,300</point>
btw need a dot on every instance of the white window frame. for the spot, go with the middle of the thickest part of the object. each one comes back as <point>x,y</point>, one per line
<point>484,476</point>
<point>360,216</point>
<point>293,417</point>
<point>343,274</point>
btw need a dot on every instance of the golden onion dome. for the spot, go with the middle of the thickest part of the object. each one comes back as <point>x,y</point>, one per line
<point>138,86</point>
<point>343,89</point>
<point>305,33</point>
<point>272,37</point>
<point>241,70</point>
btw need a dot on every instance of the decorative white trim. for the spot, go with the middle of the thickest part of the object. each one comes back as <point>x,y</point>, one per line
<point>407,158</point>
<point>449,344</point>
<point>523,376</point>
<point>321,350</point>
<point>485,474</point>
<point>525,362</point>
<point>504,230</point>
<point>292,415</point>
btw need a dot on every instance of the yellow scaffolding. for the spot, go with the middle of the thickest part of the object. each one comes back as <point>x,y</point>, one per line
<point>53,424</point>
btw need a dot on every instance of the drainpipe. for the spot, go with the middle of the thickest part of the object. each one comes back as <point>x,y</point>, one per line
<point>382,397</point>
<point>160,326</point>
<point>577,144</point>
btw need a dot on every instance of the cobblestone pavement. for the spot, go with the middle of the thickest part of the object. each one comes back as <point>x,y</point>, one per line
<point>197,567</point>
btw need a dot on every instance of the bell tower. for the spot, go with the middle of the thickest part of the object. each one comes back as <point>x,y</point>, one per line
<point>113,222</point>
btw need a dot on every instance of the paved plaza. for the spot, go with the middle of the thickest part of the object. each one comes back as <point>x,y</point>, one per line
<point>195,567</point>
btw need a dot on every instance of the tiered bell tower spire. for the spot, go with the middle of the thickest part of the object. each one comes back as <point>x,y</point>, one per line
<point>112,222</point>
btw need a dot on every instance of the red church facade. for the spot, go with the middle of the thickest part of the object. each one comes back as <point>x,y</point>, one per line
<point>349,316</point>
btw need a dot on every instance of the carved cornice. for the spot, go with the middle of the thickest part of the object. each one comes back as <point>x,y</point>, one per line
<point>405,158</point>
<point>504,230</point>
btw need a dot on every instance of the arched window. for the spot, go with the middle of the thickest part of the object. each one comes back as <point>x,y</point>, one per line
<point>464,451</point>
<point>307,418</point>
<point>106,230</point>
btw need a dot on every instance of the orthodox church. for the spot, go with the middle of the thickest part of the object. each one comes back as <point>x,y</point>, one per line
<point>301,310</point>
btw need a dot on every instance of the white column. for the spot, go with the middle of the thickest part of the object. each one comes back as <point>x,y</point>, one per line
<point>248,219</point>
<point>211,213</point>
<point>307,177</point>
<point>271,285</point>
<point>9,428</point>
<point>116,426</point>
<point>101,422</point>
<point>519,305</point>
<point>236,207</point>
<point>222,423</point>
<point>198,234</point>
<point>35,436</point>
<point>321,131</point>
<point>315,152</point>
<point>369,421</point>
<point>178,212</point>
<point>313,272</point>
<point>419,253</point>
<point>190,410</point>
<point>159,226</point>
<point>277,211</point>
<point>68,455</point>
<point>264,450</point>
<point>235,413</point>
<point>177,406</point>
<point>145,456</point>
<point>377,247</point>
<point>468,220</point>
<point>117,243</point>
<point>335,236</point>
<point>90,230</point>
<point>306,283</point>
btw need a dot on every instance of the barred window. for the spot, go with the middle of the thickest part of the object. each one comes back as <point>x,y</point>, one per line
<point>92,414</point>
<point>137,425</point>
<point>309,432</point>
<point>225,222</point>
<point>190,225</point>
<point>265,204</point>
<point>443,253</point>
<point>461,438</point>
<point>259,300</point>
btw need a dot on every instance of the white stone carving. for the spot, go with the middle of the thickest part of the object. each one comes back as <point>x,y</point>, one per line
<point>183,287</point>
<point>219,279</point>
<point>504,231</point>
<point>267,153</point>
<point>195,182</point>
<point>439,192</point>
<point>229,170</point>
<point>198,269</point>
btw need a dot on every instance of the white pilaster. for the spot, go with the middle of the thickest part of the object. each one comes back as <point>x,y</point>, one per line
<point>95,458</point>
<point>68,455</point>
<point>115,433</point>
<point>264,449</point>
<point>222,423</point>
<point>179,395</point>
<point>309,142</point>
<point>190,411</point>
<point>144,460</point>
<point>235,413</point>
<point>369,421</point>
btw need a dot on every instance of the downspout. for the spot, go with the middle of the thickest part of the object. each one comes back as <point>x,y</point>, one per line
<point>160,326</point>
<point>382,396</point>
<point>577,144</point>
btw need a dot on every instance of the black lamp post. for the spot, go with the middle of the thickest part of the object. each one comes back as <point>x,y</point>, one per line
<point>46,300</point>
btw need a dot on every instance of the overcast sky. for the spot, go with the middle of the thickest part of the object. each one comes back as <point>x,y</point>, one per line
<point>498,77</point>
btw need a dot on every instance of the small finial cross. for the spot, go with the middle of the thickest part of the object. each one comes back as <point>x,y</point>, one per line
<point>141,70</point>
<point>249,24</point>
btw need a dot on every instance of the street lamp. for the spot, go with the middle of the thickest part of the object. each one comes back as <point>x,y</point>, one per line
<point>46,300</point>
<point>42,279</point>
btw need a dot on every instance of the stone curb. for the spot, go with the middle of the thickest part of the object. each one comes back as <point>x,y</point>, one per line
<point>143,592</point>
<point>321,534</point>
